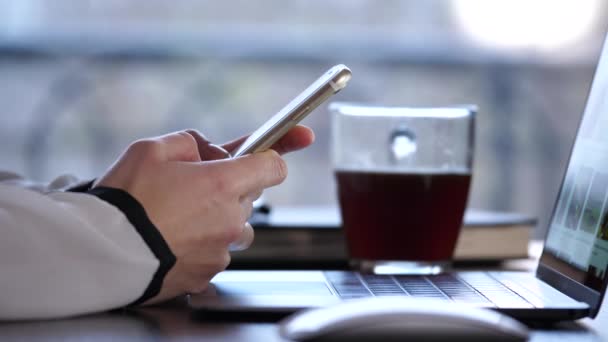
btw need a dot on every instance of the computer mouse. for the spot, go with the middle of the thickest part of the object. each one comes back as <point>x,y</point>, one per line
<point>401,319</point>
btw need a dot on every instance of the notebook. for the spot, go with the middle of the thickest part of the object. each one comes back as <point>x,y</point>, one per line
<point>307,237</point>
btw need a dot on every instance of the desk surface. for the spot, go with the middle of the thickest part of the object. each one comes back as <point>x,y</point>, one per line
<point>174,321</point>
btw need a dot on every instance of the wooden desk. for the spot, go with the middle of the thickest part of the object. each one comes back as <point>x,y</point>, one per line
<point>174,321</point>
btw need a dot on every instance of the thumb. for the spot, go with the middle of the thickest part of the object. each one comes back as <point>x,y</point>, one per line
<point>253,172</point>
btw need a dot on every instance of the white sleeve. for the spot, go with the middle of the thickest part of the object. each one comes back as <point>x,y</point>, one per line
<point>63,182</point>
<point>69,253</point>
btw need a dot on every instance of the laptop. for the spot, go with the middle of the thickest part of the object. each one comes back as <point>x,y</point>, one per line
<point>569,283</point>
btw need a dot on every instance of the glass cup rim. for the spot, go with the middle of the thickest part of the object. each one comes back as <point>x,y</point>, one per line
<point>368,110</point>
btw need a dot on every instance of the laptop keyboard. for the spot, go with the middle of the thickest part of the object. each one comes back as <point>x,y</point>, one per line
<point>479,289</point>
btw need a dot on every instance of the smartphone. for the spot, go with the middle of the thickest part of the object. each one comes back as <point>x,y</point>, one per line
<point>331,82</point>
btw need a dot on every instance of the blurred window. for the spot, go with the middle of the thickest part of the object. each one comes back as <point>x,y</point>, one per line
<point>81,79</point>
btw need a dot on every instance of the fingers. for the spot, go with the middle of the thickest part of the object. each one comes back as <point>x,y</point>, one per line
<point>244,240</point>
<point>297,138</point>
<point>178,146</point>
<point>253,196</point>
<point>215,152</point>
<point>231,146</point>
<point>207,150</point>
<point>249,174</point>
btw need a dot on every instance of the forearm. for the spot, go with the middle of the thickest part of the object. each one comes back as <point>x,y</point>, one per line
<point>64,254</point>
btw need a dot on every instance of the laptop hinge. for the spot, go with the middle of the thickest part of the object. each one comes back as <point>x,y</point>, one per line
<point>570,287</point>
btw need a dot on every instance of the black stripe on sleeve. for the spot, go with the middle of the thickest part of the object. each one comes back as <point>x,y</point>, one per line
<point>82,187</point>
<point>139,219</point>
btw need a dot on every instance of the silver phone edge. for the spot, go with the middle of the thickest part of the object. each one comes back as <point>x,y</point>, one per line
<point>331,87</point>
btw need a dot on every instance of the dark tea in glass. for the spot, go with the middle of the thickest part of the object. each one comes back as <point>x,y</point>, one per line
<point>402,177</point>
<point>402,216</point>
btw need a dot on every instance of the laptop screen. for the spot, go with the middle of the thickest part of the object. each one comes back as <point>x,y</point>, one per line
<point>577,242</point>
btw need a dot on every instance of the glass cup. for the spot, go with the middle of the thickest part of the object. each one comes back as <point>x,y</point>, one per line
<point>403,178</point>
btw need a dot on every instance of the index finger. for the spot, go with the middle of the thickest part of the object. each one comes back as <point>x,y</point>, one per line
<point>207,150</point>
<point>297,138</point>
<point>252,172</point>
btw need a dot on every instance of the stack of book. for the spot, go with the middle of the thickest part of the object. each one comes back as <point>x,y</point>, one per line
<point>313,236</point>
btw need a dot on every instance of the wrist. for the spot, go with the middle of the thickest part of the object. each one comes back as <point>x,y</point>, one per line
<point>138,217</point>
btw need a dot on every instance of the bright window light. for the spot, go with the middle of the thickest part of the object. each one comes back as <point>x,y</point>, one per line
<point>541,24</point>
